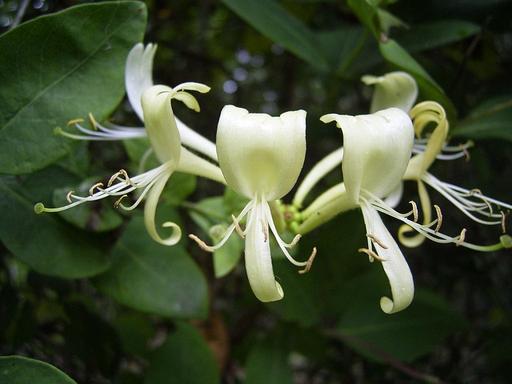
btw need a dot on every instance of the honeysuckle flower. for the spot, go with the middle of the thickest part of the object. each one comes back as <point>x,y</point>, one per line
<point>261,157</point>
<point>394,89</point>
<point>138,78</point>
<point>164,137</point>
<point>377,149</point>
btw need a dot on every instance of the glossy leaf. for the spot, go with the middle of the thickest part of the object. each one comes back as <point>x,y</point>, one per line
<point>59,73</point>
<point>45,242</point>
<point>22,370</point>
<point>491,120</point>
<point>276,23</point>
<point>184,358</point>
<point>154,278</point>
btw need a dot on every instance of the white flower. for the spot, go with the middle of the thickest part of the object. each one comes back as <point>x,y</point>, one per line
<point>261,158</point>
<point>165,140</point>
<point>394,89</point>
<point>138,78</point>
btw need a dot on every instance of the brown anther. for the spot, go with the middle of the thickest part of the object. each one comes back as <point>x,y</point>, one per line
<point>503,222</point>
<point>295,241</point>
<point>75,121</point>
<point>439,218</point>
<point>118,201</point>
<point>69,196</point>
<point>309,263</point>
<point>238,229</point>
<point>371,253</point>
<point>264,228</point>
<point>200,242</point>
<point>467,156</point>
<point>461,237</point>
<point>116,175</point>
<point>92,120</point>
<point>414,211</point>
<point>98,186</point>
<point>475,191</point>
<point>376,240</point>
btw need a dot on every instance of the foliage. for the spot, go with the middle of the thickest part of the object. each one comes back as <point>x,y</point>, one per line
<point>87,295</point>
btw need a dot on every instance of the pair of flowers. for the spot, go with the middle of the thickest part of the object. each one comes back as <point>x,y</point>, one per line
<point>261,157</point>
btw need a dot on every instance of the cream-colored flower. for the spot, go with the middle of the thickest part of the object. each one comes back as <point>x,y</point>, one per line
<point>261,158</point>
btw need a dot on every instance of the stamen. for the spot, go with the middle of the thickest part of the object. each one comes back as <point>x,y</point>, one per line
<point>117,203</point>
<point>238,229</point>
<point>309,263</point>
<point>264,229</point>
<point>294,242</point>
<point>467,156</point>
<point>201,243</point>
<point>414,211</point>
<point>93,121</point>
<point>439,218</point>
<point>69,196</point>
<point>371,254</point>
<point>116,175</point>
<point>503,222</point>
<point>461,237</point>
<point>75,121</point>
<point>98,186</point>
<point>376,240</point>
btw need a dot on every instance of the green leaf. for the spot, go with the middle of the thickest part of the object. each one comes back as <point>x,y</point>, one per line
<point>276,23</point>
<point>154,278</point>
<point>406,335</point>
<point>366,12</point>
<point>22,370</point>
<point>61,67</point>
<point>434,34</point>
<point>396,55</point>
<point>184,358</point>
<point>268,363</point>
<point>45,242</point>
<point>490,120</point>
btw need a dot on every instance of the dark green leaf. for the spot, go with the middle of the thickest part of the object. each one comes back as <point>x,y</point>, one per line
<point>185,358</point>
<point>52,72</point>
<point>396,55</point>
<point>154,278</point>
<point>406,335</point>
<point>275,22</point>
<point>21,370</point>
<point>366,12</point>
<point>491,120</point>
<point>435,34</point>
<point>45,242</point>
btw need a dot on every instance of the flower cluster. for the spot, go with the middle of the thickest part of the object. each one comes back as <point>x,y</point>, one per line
<point>261,157</point>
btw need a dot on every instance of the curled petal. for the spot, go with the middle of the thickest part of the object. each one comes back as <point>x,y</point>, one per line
<point>394,264</point>
<point>394,89</point>
<point>258,261</point>
<point>150,211</point>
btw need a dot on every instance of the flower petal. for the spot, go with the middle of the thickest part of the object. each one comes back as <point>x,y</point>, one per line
<point>394,89</point>
<point>394,264</point>
<point>160,123</point>
<point>138,74</point>
<point>258,261</point>
<point>377,149</point>
<point>150,211</point>
<point>261,154</point>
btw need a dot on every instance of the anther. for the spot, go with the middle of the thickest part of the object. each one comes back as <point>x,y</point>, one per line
<point>376,240</point>
<point>503,222</point>
<point>439,218</point>
<point>238,229</point>
<point>98,186</point>
<point>93,121</point>
<point>414,211</point>
<point>372,254</point>
<point>116,175</point>
<point>118,201</point>
<point>309,263</point>
<point>69,196</point>
<point>467,156</point>
<point>461,237</point>
<point>75,121</point>
<point>264,228</point>
<point>295,241</point>
<point>200,242</point>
